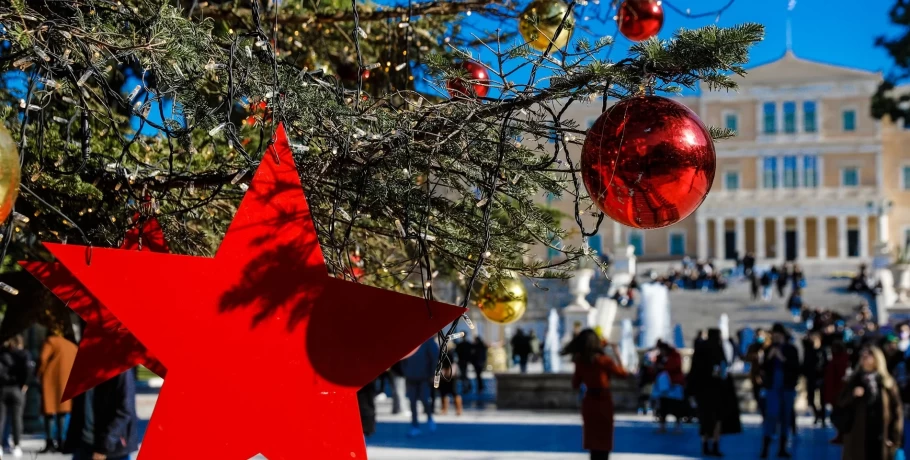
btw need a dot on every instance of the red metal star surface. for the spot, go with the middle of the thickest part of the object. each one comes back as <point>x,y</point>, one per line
<point>107,349</point>
<point>265,351</point>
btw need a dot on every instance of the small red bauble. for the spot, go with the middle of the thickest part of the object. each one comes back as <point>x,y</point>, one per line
<point>648,162</point>
<point>640,20</point>
<point>260,109</point>
<point>476,86</point>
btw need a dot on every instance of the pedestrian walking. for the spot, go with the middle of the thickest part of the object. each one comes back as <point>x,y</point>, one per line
<point>595,370</point>
<point>15,368</point>
<point>782,277</point>
<point>465,351</point>
<point>712,386</point>
<point>521,350</point>
<point>57,356</point>
<point>670,385</point>
<point>366,402</point>
<point>104,425</point>
<point>873,422</point>
<point>780,374</point>
<point>479,362</point>
<point>754,356</point>
<point>835,374</point>
<point>419,370</point>
<point>448,384</point>
<point>814,363</point>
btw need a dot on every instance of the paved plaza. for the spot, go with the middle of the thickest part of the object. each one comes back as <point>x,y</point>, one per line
<point>517,435</point>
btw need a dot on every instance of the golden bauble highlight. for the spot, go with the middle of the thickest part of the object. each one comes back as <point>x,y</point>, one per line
<point>503,302</point>
<point>9,173</point>
<point>539,21</point>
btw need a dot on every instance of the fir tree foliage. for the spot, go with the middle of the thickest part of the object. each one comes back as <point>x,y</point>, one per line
<point>890,100</point>
<point>419,184</point>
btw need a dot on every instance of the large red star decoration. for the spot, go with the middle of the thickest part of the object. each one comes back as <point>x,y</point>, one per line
<point>265,350</point>
<point>107,349</point>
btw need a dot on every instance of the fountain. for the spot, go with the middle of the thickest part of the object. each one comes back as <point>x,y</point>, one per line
<point>551,343</point>
<point>724,326</point>
<point>654,314</point>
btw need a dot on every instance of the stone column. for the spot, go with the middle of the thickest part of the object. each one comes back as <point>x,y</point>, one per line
<point>719,238</point>
<point>882,228</point>
<point>863,236</point>
<point>760,252</point>
<point>740,237</point>
<point>821,236</point>
<point>801,249</point>
<point>701,235</point>
<point>842,237</point>
<point>780,249</point>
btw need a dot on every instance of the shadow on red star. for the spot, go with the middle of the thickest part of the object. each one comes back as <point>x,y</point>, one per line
<point>265,351</point>
<point>107,349</point>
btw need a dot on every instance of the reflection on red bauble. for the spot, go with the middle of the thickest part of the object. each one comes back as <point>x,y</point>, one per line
<point>476,86</point>
<point>648,162</point>
<point>640,20</point>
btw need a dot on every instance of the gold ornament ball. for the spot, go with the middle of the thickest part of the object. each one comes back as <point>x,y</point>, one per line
<point>504,302</point>
<point>540,20</point>
<point>9,173</point>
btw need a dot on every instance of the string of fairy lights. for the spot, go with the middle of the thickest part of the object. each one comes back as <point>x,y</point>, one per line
<point>516,108</point>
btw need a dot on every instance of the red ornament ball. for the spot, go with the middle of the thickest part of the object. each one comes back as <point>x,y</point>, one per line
<point>476,86</point>
<point>640,20</point>
<point>648,162</point>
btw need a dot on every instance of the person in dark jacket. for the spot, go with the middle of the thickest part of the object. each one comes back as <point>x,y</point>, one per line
<point>814,363</point>
<point>712,386</point>
<point>366,401</point>
<point>782,277</point>
<point>780,374</point>
<point>104,425</point>
<point>749,264</point>
<point>465,351</point>
<point>419,370</point>
<point>521,350</point>
<point>14,373</point>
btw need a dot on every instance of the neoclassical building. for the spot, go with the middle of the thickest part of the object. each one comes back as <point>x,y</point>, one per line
<point>810,175</point>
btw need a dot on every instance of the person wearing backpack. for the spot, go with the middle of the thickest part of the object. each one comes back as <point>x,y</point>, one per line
<point>14,373</point>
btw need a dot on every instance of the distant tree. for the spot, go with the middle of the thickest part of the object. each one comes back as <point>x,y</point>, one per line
<point>886,100</point>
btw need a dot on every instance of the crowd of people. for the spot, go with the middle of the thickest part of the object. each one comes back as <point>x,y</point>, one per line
<point>413,377</point>
<point>855,376</point>
<point>102,422</point>
<point>694,275</point>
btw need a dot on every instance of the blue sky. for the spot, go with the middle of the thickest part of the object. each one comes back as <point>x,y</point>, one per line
<point>840,32</point>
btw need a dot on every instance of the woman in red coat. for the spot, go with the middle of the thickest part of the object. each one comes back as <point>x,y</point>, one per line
<point>594,369</point>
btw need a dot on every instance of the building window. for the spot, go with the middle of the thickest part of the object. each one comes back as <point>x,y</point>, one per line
<point>790,175</point>
<point>595,242</point>
<point>731,122</point>
<point>905,178</point>
<point>677,244</point>
<point>810,171</point>
<point>849,177</point>
<point>849,120</point>
<point>731,180</point>
<point>809,123</point>
<point>790,117</point>
<point>770,119</point>
<point>769,172</point>
<point>637,240</point>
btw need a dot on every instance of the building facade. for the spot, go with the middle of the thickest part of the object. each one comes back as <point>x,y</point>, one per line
<point>810,176</point>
